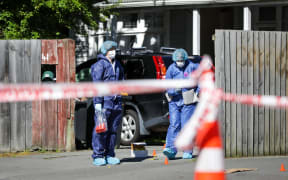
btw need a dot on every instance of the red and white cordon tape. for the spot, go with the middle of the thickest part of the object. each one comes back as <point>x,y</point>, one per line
<point>272,101</point>
<point>34,92</point>
<point>186,137</point>
<point>202,130</point>
<point>210,162</point>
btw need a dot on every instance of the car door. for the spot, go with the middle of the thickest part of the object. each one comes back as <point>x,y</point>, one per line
<point>141,67</point>
<point>151,104</point>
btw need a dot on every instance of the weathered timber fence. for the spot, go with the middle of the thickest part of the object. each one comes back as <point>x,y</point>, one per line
<point>20,61</point>
<point>252,62</point>
<point>32,125</point>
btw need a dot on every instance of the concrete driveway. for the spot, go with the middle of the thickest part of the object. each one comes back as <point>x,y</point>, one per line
<point>78,165</point>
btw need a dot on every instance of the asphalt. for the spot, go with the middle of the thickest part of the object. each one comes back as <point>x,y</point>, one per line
<point>78,165</point>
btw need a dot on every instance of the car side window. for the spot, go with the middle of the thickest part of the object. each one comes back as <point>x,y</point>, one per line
<point>134,68</point>
<point>84,75</point>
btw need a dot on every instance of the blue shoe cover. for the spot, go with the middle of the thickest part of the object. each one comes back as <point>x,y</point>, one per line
<point>99,162</point>
<point>187,155</point>
<point>169,153</point>
<point>112,160</point>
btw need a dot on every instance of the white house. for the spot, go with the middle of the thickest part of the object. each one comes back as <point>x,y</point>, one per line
<point>188,24</point>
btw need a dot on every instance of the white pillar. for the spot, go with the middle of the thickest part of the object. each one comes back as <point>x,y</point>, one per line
<point>100,35</point>
<point>141,28</point>
<point>92,43</point>
<point>246,19</point>
<point>196,32</point>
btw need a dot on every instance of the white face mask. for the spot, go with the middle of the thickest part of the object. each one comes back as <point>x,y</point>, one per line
<point>180,64</point>
<point>111,54</point>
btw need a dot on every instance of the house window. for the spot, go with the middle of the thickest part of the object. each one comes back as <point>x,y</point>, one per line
<point>266,28</point>
<point>285,18</point>
<point>126,42</point>
<point>130,20</point>
<point>268,18</point>
<point>267,13</point>
<point>153,20</point>
<point>148,20</point>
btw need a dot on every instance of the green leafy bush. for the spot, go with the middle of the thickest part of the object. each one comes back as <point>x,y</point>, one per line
<point>44,19</point>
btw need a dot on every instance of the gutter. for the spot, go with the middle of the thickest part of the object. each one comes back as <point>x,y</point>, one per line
<point>163,3</point>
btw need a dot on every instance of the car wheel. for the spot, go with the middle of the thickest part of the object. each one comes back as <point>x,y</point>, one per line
<point>130,127</point>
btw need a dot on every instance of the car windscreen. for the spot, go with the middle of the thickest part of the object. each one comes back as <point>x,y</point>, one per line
<point>85,65</point>
<point>195,58</point>
<point>133,68</point>
<point>84,75</point>
<point>167,60</point>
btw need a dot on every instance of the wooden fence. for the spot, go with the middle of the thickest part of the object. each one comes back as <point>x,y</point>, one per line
<point>252,62</point>
<point>19,62</point>
<point>33,125</point>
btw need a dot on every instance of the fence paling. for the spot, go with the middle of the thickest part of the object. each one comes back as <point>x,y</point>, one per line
<point>253,62</point>
<point>24,125</point>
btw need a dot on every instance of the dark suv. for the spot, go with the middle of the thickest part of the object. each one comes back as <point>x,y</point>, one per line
<point>143,113</point>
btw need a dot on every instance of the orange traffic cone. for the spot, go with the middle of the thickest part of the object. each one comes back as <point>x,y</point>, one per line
<point>154,153</point>
<point>282,169</point>
<point>210,163</point>
<point>164,146</point>
<point>166,161</point>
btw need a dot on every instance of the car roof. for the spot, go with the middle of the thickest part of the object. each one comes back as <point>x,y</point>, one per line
<point>86,64</point>
<point>90,62</point>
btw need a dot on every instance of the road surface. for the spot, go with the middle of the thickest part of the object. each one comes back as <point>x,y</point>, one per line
<point>78,166</point>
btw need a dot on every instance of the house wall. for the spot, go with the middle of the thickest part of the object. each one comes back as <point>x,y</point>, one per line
<point>176,30</point>
<point>180,29</point>
<point>217,18</point>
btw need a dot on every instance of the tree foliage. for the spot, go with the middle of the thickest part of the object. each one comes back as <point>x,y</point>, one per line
<point>39,19</point>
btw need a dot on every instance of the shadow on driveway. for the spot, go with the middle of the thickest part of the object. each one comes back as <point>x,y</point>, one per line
<point>132,159</point>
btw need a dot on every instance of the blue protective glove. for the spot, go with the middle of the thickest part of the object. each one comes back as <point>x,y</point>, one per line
<point>98,107</point>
